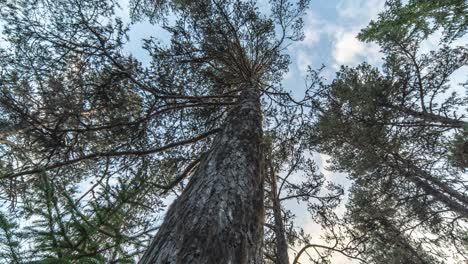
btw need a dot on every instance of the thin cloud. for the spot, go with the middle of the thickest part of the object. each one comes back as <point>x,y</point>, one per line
<point>362,10</point>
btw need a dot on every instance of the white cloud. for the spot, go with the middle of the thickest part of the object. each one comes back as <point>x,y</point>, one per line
<point>431,43</point>
<point>315,28</point>
<point>347,47</point>
<point>348,50</point>
<point>311,36</point>
<point>312,30</point>
<point>434,41</point>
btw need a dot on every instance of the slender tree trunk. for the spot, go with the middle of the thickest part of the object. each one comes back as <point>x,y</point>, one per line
<point>281,243</point>
<point>393,235</point>
<point>459,195</point>
<point>447,200</point>
<point>430,116</point>
<point>453,199</point>
<point>219,216</point>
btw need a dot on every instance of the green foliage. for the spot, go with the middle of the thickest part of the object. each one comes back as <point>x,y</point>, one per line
<point>418,17</point>
<point>10,241</point>
<point>64,232</point>
<point>62,229</point>
<point>399,132</point>
<point>459,149</point>
<point>377,225</point>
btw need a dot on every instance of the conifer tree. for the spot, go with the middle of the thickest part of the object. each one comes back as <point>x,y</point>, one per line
<point>400,133</point>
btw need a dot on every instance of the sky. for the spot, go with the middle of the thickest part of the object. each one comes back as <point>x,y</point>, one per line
<point>330,30</point>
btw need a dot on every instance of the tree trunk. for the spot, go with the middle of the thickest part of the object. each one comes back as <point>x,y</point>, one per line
<point>450,122</point>
<point>453,199</point>
<point>219,216</point>
<point>393,235</point>
<point>281,243</point>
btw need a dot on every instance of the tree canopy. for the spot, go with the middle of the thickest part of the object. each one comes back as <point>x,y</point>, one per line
<point>400,133</point>
<point>94,144</point>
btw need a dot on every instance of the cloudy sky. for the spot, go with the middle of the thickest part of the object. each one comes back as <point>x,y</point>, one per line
<point>330,38</point>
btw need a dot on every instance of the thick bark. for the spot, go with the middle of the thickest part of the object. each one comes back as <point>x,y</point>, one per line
<point>281,243</point>
<point>219,216</point>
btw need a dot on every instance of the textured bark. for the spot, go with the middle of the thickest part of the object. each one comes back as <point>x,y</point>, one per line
<point>219,216</point>
<point>281,243</point>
